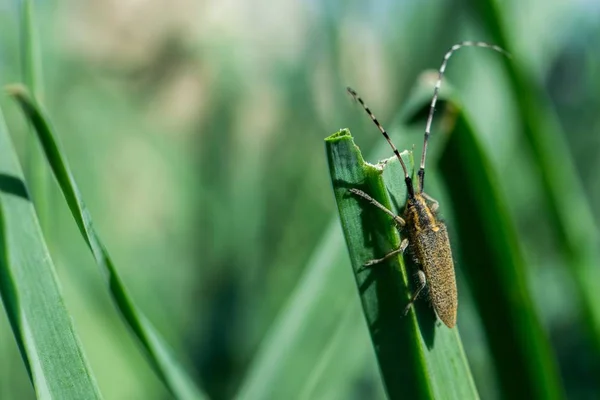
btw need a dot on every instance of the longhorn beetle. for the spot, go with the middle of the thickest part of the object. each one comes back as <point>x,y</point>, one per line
<point>427,237</point>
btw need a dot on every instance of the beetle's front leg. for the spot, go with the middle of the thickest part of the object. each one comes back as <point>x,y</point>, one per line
<point>397,219</point>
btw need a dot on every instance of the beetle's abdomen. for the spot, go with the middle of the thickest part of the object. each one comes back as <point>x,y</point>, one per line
<point>433,252</point>
<point>428,240</point>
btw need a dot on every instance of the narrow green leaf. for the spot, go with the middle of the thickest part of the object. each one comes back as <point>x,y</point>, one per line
<point>31,295</point>
<point>31,61</point>
<point>577,235</point>
<point>158,352</point>
<point>344,359</point>
<point>285,362</point>
<point>418,356</point>
<point>31,72</point>
<point>495,269</point>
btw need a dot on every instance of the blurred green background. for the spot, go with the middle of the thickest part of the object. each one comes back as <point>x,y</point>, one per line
<point>195,131</point>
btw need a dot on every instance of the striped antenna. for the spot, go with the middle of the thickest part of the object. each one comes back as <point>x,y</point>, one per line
<point>436,91</point>
<point>387,137</point>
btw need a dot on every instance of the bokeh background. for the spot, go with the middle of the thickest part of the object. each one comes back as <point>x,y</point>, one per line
<point>195,130</point>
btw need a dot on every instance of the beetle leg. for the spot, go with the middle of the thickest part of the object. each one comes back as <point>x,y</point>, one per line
<point>397,219</point>
<point>422,284</point>
<point>399,250</point>
<point>434,203</point>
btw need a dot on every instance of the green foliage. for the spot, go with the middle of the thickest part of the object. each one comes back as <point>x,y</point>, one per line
<point>195,136</point>
<point>174,376</point>
<point>417,357</point>
<point>31,74</point>
<point>494,264</point>
<point>319,305</point>
<point>572,219</point>
<point>31,294</point>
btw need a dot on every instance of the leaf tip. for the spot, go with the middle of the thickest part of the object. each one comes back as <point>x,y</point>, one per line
<point>16,90</point>
<point>339,135</point>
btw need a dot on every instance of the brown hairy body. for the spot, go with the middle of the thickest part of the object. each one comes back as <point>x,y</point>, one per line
<point>428,242</point>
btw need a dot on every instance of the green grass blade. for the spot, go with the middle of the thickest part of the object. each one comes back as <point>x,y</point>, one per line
<point>495,269</point>
<point>31,295</point>
<point>418,356</point>
<point>285,362</point>
<point>170,371</point>
<point>577,235</point>
<point>31,62</point>
<point>337,364</point>
<point>31,72</point>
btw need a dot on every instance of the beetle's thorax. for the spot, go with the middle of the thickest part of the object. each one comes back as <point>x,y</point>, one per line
<point>418,214</point>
